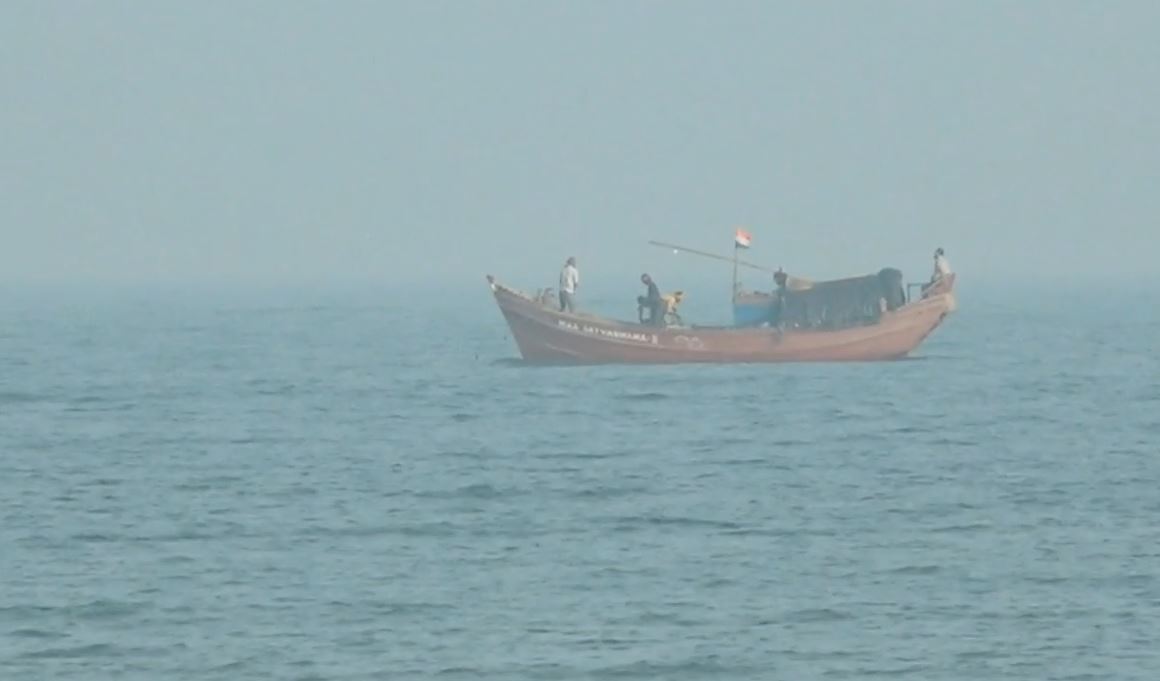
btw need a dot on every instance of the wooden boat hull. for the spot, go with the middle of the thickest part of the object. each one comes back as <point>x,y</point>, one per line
<point>545,335</point>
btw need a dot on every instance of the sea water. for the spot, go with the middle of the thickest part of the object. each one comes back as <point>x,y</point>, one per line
<point>374,488</point>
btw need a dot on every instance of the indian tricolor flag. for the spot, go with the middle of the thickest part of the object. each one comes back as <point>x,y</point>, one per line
<point>742,239</point>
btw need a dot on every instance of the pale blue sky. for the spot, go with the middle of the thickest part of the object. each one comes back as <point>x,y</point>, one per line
<point>316,141</point>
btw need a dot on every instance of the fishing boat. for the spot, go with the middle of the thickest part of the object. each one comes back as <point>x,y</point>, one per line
<point>842,320</point>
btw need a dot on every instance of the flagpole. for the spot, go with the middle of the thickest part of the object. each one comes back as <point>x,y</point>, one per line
<point>735,249</point>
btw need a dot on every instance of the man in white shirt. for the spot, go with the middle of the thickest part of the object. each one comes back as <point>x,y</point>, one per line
<point>569,281</point>
<point>942,268</point>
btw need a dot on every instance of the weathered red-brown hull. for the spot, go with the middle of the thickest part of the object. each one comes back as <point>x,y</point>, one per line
<point>545,335</point>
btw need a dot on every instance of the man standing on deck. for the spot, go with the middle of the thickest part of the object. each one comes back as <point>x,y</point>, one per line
<point>942,268</point>
<point>569,280</point>
<point>650,301</point>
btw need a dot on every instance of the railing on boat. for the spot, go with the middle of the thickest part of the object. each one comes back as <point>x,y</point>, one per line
<point>913,285</point>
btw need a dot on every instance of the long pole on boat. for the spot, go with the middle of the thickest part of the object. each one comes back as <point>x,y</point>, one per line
<point>793,282</point>
<point>714,256</point>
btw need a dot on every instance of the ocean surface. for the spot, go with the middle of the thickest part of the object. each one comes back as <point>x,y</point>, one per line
<point>221,487</point>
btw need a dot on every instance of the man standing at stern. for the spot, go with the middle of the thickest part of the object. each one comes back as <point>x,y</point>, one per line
<point>942,268</point>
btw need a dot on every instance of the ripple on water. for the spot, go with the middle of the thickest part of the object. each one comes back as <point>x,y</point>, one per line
<point>705,667</point>
<point>13,398</point>
<point>93,650</point>
<point>108,609</point>
<point>817,615</point>
<point>645,395</point>
<point>472,491</point>
<point>37,634</point>
<point>643,523</point>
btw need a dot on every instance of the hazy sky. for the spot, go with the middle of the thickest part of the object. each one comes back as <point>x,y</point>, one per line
<point>269,141</point>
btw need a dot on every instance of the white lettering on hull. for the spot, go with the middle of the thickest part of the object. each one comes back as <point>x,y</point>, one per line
<point>616,334</point>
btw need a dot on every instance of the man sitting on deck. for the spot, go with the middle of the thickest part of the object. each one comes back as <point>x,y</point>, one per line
<point>651,301</point>
<point>672,303</point>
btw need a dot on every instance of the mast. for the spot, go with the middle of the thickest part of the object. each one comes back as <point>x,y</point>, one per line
<point>734,296</point>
